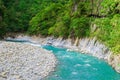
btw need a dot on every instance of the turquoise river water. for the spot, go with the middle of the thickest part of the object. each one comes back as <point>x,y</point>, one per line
<point>76,66</point>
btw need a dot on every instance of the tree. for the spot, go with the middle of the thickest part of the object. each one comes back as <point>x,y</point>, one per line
<point>2,23</point>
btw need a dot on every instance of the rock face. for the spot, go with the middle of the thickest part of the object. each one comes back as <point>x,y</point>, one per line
<point>84,45</point>
<point>114,61</point>
<point>24,62</point>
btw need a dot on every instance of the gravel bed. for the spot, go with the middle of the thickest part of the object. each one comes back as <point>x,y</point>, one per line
<point>20,61</point>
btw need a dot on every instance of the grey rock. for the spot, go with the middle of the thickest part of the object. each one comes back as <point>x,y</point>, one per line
<point>24,61</point>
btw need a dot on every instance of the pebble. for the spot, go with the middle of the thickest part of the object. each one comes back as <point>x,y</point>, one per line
<point>20,61</point>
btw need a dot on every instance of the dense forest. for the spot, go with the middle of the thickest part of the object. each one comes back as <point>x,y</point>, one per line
<point>64,18</point>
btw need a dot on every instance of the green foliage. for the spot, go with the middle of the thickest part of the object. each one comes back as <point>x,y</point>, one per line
<point>104,28</point>
<point>84,7</point>
<point>109,7</point>
<point>2,22</point>
<point>16,16</point>
<point>20,12</point>
<point>80,26</point>
<point>115,33</point>
<point>2,29</point>
<point>109,32</point>
<point>62,21</point>
<point>44,19</point>
<point>61,25</point>
<point>66,18</point>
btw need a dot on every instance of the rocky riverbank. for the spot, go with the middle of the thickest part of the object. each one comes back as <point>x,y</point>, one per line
<point>24,62</point>
<point>89,46</point>
<point>85,45</point>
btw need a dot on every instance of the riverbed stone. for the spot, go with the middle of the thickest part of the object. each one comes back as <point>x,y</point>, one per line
<point>19,61</point>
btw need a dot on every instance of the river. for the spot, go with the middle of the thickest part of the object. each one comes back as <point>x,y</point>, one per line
<point>76,66</point>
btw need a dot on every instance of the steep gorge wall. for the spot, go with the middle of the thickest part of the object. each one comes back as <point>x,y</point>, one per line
<point>85,45</point>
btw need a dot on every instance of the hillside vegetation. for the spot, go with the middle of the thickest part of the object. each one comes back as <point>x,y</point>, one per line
<point>64,18</point>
